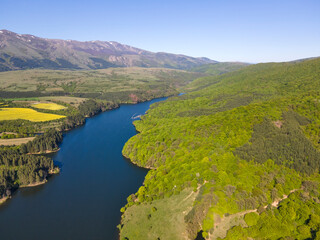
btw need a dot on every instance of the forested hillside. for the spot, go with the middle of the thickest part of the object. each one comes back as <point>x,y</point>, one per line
<point>245,145</point>
<point>219,67</point>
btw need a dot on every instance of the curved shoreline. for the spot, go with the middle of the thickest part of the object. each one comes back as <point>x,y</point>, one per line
<point>56,169</point>
<point>136,164</point>
<point>51,172</point>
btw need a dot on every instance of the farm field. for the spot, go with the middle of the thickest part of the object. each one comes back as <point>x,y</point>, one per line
<point>48,106</point>
<point>27,114</point>
<point>74,101</point>
<point>15,141</point>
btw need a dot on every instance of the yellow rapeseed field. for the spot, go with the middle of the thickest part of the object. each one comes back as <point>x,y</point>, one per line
<point>27,114</point>
<point>48,106</point>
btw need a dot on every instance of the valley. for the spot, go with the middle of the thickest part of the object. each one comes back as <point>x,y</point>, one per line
<point>235,157</point>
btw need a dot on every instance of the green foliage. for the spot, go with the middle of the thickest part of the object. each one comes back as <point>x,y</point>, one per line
<point>49,141</point>
<point>285,145</point>
<point>21,169</point>
<point>297,216</point>
<point>221,136</point>
<point>219,68</point>
<point>251,219</point>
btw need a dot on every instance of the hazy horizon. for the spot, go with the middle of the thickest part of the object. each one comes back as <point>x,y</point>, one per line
<point>246,31</point>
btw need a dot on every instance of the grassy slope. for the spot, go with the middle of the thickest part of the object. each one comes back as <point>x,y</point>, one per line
<point>140,220</point>
<point>219,68</point>
<point>106,80</point>
<point>191,140</point>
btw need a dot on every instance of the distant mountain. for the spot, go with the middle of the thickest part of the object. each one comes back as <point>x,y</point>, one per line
<point>27,51</point>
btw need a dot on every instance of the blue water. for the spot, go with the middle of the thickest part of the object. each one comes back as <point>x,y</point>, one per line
<point>83,201</point>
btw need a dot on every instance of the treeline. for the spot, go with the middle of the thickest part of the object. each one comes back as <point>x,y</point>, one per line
<point>90,108</point>
<point>18,126</point>
<point>30,94</point>
<point>18,169</point>
<point>49,141</point>
<point>87,108</point>
<point>72,121</point>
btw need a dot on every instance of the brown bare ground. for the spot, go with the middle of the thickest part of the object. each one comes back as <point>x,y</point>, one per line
<point>34,184</point>
<point>15,141</point>
<point>278,123</point>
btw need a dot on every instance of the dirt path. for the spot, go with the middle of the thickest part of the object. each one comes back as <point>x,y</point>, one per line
<point>222,225</point>
<point>193,193</point>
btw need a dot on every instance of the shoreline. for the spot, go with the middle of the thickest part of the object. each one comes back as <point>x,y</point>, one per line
<point>46,152</point>
<point>136,164</point>
<point>56,169</point>
<point>3,200</point>
<point>51,172</point>
<point>33,184</point>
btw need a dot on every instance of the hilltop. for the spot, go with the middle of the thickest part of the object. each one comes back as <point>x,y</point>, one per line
<point>25,51</point>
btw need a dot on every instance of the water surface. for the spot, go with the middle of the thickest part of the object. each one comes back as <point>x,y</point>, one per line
<point>84,200</point>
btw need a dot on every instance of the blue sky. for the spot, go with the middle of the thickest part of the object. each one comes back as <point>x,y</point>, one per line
<point>223,30</point>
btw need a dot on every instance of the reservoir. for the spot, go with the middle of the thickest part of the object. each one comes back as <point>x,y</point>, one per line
<point>83,201</point>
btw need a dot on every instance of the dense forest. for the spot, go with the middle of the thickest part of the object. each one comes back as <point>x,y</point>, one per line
<point>17,169</point>
<point>241,142</point>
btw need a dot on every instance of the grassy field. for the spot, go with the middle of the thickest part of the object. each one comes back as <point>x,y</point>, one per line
<point>219,68</point>
<point>48,106</point>
<point>104,80</point>
<point>74,101</point>
<point>27,114</point>
<point>162,219</point>
<point>15,141</point>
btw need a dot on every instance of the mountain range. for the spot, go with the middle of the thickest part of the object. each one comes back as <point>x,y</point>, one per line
<point>25,51</point>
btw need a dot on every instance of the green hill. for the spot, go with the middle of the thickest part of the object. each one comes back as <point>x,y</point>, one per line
<point>219,67</point>
<point>242,142</point>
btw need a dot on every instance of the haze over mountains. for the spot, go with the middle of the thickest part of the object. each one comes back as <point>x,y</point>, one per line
<point>27,51</point>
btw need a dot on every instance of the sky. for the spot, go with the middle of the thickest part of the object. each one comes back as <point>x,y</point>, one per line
<point>224,30</point>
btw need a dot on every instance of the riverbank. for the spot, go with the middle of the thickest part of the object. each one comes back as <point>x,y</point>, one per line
<point>2,200</point>
<point>51,172</point>
<point>93,174</point>
<point>56,169</point>
<point>136,164</point>
<point>33,184</point>
<point>45,152</point>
